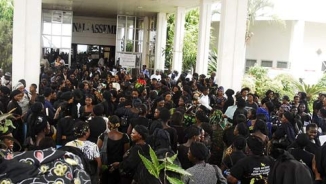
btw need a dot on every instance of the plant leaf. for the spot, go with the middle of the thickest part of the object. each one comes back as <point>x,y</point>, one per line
<point>153,157</point>
<point>8,123</point>
<point>177,169</point>
<point>149,166</point>
<point>161,166</point>
<point>174,180</point>
<point>172,159</point>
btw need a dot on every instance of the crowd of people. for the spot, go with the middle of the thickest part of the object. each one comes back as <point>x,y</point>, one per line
<point>90,123</point>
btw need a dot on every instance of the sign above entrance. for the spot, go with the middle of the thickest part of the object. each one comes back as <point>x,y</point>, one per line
<point>94,28</point>
<point>94,31</point>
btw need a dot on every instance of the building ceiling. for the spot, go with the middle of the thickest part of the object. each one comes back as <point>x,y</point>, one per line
<point>111,8</point>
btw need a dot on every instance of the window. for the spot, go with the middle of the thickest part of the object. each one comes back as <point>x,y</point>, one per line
<point>266,63</point>
<point>323,66</point>
<point>250,63</point>
<point>282,64</point>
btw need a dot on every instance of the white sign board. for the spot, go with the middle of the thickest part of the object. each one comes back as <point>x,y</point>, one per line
<point>128,60</point>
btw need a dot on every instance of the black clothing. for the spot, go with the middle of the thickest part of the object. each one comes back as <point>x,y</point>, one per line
<point>126,113</point>
<point>97,125</point>
<point>313,147</point>
<point>131,162</point>
<point>288,170</point>
<point>18,132</point>
<point>65,128</point>
<point>181,134</point>
<point>83,115</point>
<point>115,151</point>
<point>228,136</point>
<point>183,157</point>
<point>173,137</point>
<point>252,167</point>
<point>302,155</point>
<point>230,160</point>
<point>286,130</point>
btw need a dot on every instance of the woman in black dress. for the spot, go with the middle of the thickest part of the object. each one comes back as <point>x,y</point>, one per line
<point>117,145</point>
<point>17,113</point>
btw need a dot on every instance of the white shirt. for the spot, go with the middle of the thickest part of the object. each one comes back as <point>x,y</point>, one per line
<point>204,100</point>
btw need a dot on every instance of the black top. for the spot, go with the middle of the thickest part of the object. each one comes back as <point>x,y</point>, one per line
<point>173,137</point>
<point>285,129</point>
<point>65,128</point>
<point>97,125</point>
<point>252,167</point>
<point>313,147</point>
<point>183,157</point>
<point>132,160</point>
<point>181,134</point>
<point>230,160</point>
<point>115,148</point>
<point>302,155</point>
<point>83,115</point>
<point>228,136</point>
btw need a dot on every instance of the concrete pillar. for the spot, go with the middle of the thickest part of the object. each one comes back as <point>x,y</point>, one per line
<point>26,49</point>
<point>231,47</point>
<point>179,30</point>
<point>204,36</point>
<point>160,43</point>
<point>145,42</point>
<point>296,58</point>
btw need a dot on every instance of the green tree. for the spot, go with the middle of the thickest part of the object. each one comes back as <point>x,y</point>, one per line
<point>6,32</point>
<point>259,82</point>
<point>189,43</point>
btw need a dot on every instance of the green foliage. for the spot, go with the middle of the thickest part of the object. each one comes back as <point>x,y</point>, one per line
<point>5,45</point>
<point>189,43</point>
<point>6,31</point>
<point>190,39</point>
<point>322,81</point>
<point>212,61</point>
<point>154,167</point>
<point>168,51</point>
<point>6,10</point>
<point>311,90</point>
<point>259,82</point>
<point>5,122</point>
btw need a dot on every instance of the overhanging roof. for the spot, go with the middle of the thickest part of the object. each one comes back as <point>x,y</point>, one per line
<point>111,8</point>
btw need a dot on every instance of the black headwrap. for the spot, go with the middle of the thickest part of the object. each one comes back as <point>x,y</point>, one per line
<point>142,130</point>
<point>199,151</point>
<point>14,93</point>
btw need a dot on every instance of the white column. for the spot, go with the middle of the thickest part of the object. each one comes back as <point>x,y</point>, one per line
<point>179,30</point>
<point>296,49</point>
<point>231,46</point>
<point>145,42</point>
<point>26,50</point>
<point>204,36</point>
<point>160,43</point>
